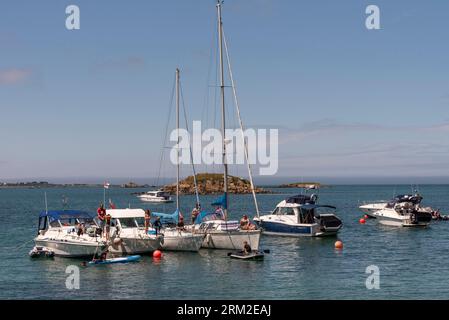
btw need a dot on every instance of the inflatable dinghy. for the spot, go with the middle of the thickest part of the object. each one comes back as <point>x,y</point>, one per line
<point>254,255</point>
<point>38,252</point>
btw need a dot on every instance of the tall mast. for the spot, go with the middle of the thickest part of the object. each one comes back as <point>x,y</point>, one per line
<point>177,143</point>
<point>223,118</point>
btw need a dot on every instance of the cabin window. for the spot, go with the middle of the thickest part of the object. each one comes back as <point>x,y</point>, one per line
<point>55,223</point>
<point>283,211</point>
<point>140,222</point>
<point>128,223</point>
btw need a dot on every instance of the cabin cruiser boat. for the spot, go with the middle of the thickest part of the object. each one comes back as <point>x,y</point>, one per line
<point>127,234</point>
<point>403,214</point>
<point>415,200</point>
<point>57,232</point>
<point>158,196</point>
<point>300,216</point>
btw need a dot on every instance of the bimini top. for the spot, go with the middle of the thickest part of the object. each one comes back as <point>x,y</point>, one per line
<point>416,199</point>
<point>67,214</point>
<point>302,199</point>
<point>126,213</point>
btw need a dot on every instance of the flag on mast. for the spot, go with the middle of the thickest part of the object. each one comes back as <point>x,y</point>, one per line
<point>111,204</point>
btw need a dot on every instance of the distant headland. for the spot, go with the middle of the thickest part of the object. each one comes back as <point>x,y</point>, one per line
<point>212,183</point>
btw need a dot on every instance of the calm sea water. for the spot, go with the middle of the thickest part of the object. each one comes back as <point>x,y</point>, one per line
<point>413,263</point>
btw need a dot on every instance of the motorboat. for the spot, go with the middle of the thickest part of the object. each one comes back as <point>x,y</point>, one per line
<point>403,214</point>
<point>127,233</point>
<point>299,215</point>
<point>58,232</point>
<point>414,200</point>
<point>157,196</point>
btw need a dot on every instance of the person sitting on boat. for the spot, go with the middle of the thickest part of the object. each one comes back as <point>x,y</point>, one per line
<point>244,223</point>
<point>219,213</point>
<point>80,229</point>
<point>157,225</point>
<point>147,220</point>
<point>180,222</point>
<point>195,212</point>
<point>101,213</point>
<point>246,248</point>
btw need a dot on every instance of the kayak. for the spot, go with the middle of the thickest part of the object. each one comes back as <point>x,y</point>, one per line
<point>116,260</point>
<point>255,255</point>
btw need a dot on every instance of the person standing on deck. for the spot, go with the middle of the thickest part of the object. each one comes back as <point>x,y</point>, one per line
<point>147,220</point>
<point>101,214</point>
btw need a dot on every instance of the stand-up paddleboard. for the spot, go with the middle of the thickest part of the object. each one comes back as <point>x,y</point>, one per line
<point>255,255</point>
<point>116,260</point>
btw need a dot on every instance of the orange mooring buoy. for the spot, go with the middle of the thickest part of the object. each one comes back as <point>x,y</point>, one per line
<point>157,254</point>
<point>362,221</point>
<point>338,245</point>
<point>366,216</point>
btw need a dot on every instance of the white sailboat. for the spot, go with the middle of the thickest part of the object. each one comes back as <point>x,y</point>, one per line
<point>221,233</point>
<point>178,238</point>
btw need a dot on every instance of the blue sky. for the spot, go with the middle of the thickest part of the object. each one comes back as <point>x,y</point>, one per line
<point>348,102</point>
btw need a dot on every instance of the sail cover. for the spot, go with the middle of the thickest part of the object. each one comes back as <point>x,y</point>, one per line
<point>220,201</point>
<point>167,218</point>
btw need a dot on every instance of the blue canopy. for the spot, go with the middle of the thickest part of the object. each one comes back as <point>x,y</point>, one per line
<point>66,214</point>
<point>221,201</point>
<point>315,206</point>
<point>167,217</point>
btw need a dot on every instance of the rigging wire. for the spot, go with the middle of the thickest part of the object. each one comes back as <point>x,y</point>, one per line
<point>164,138</point>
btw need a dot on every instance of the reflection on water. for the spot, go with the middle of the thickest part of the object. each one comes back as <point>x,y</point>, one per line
<point>412,262</point>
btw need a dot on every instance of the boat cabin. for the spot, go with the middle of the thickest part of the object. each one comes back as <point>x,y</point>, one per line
<point>65,219</point>
<point>127,218</point>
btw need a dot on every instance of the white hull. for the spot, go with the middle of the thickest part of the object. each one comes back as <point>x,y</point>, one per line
<point>71,249</point>
<point>389,217</point>
<point>175,240</point>
<point>153,200</point>
<point>370,209</point>
<point>136,245</point>
<point>231,240</point>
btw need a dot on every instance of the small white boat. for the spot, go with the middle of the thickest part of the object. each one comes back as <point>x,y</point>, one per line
<point>127,234</point>
<point>403,214</point>
<point>158,196</point>
<point>300,216</point>
<point>58,233</point>
<point>38,252</point>
<point>412,200</point>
